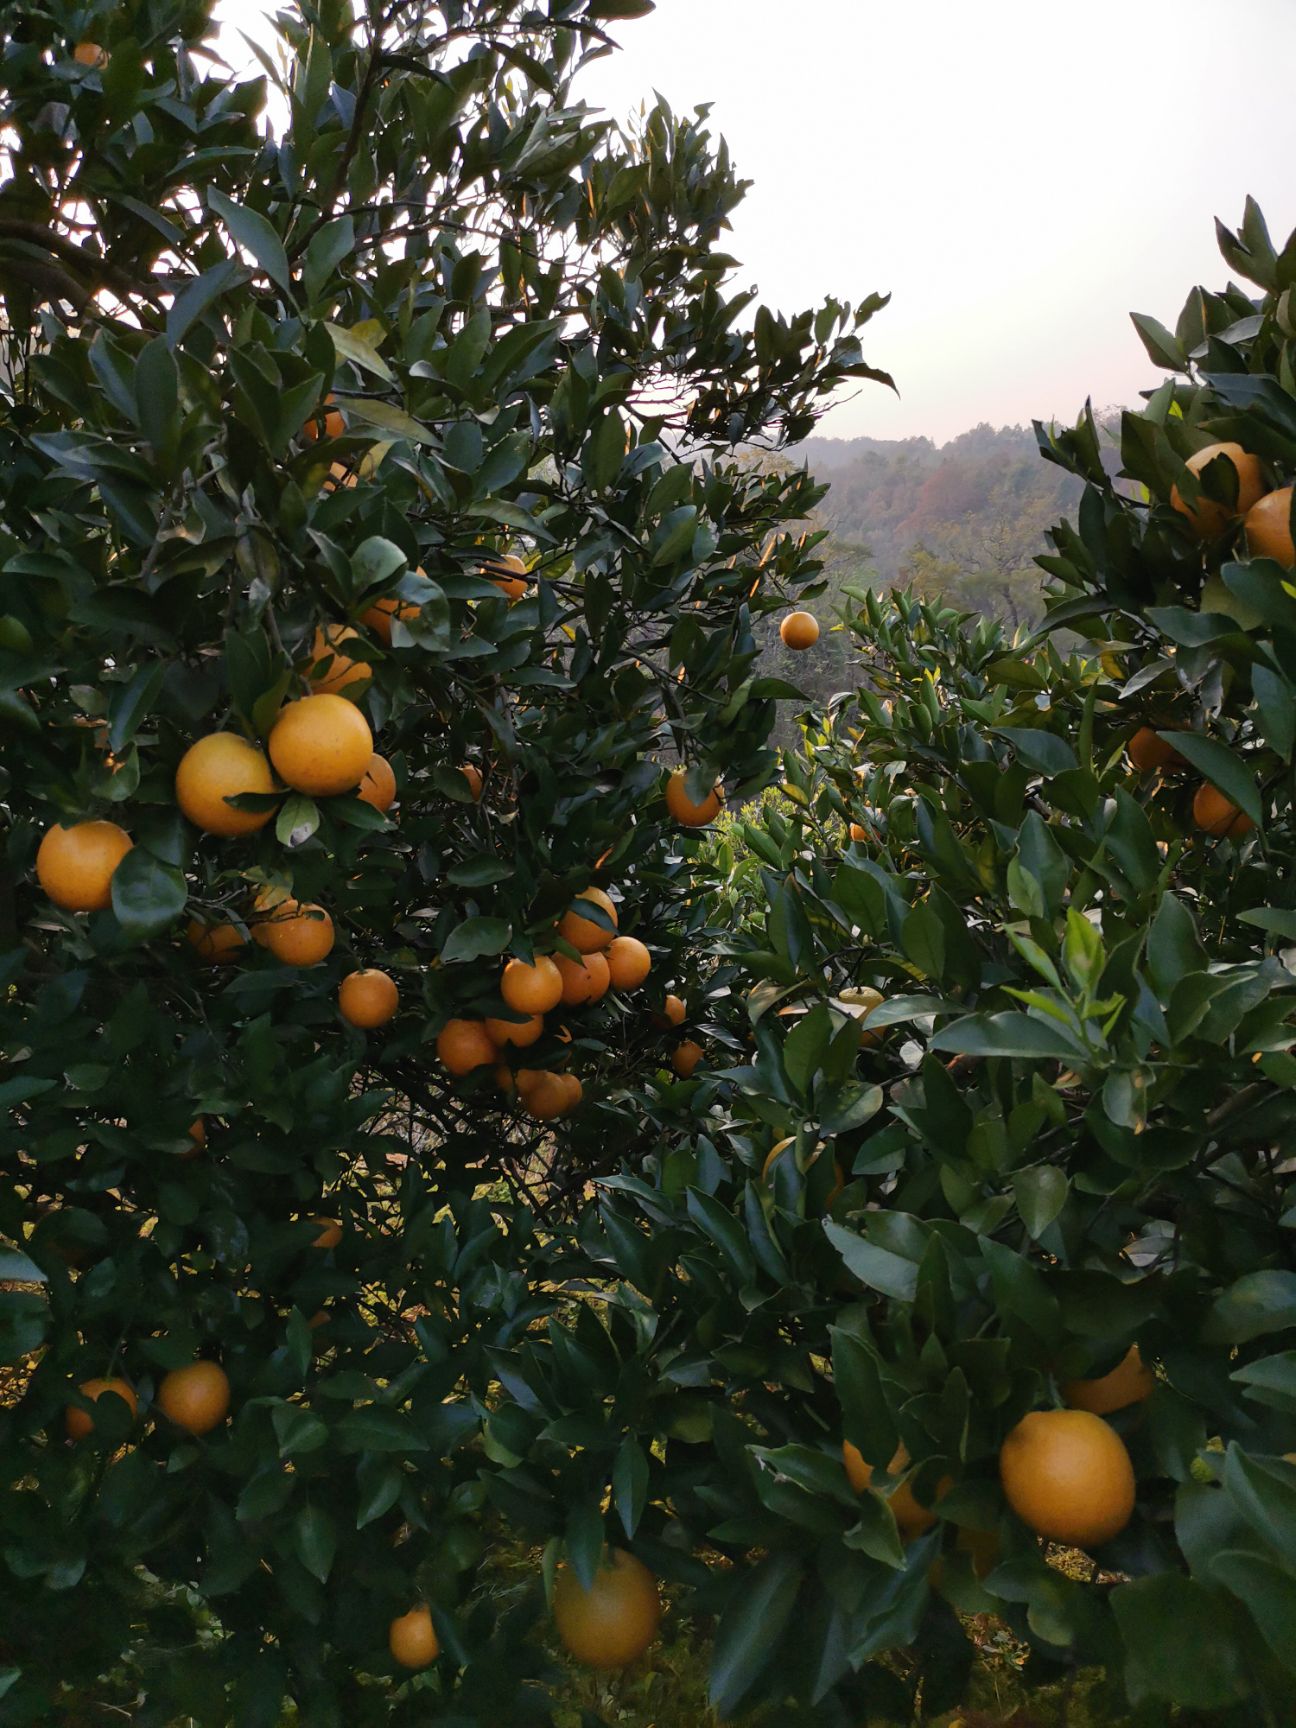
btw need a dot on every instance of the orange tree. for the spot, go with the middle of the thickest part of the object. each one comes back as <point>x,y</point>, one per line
<point>370,529</point>
<point>968,1251</point>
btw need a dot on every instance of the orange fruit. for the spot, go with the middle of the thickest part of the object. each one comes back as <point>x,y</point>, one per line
<point>614,1622</point>
<point>683,809</point>
<point>75,865</point>
<point>331,669</point>
<point>90,54</point>
<point>858,833</point>
<point>472,774</point>
<point>368,998</point>
<point>1215,814</point>
<point>585,934</point>
<point>503,1076</point>
<point>1268,527</point>
<point>584,980</point>
<point>511,580</point>
<point>380,616</point>
<point>217,767</point>
<point>378,787</point>
<point>1067,1475</point>
<point>329,425</point>
<point>629,963</point>
<point>79,1422</point>
<point>463,1045</point>
<point>1207,516</point>
<point>799,630</point>
<point>1129,1382</point>
<point>321,745</point>
<point>338,475</point>
<point>673,1013</point>
<point>685,1057</point>
<point>196,1397</point>
<point>299,935</point>
<point>330,1233</point>
<point>534,988</point>
<point>911,1515</point>
<point>1148,752</point>
<point>519,1033</point>
<point>860,1003</point>
<point>198,1134</point>
<point>217,944</point>
<point>412,1639</point>
<point>544,1095</point>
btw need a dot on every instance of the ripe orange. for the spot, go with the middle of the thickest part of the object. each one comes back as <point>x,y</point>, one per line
<point>217,944</point>
<point>196,1397</point>
<point>503,1076</point>
<point>329,425</point>
<point>90,54</point>
<point>544,1094</point>
<point>463,1045</point>
<point>79,1422</point>
<point>629,963</point>
<point>412,1639</point>
<point>1068,1476</point>
<point>330,1233</point>
<point>860,1003</point>
<point>673,1013</point>
<point>1148,752</point>
<point>585,934</point>
<point>910,1514</point>
<point>685,1057</point>
<point>858,833</point>
<point>321,745</point>
<point>1215,814</point>
<point>1268,527</point>
<point>612,1624</point>
<point>379,784</point>
<point>512,580</point>
<point>331,668</point>
<point>381,615</point>
<point>472,774</point>
<point>584,980</point>
<point>518,1033</point>
<point>368,998</point>
<point>198,1134</point>
<point>217,767</point>
<point>799,630</point>
<point>338,475</point>
<point>532,989</point>
<point>75,865</point>
<point>297,934</point>
<point>1129,1382</point>
<point>1207,516</point>
<point>683,809</point>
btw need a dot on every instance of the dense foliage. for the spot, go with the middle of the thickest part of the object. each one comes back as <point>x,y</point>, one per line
<point>520,315</point>
<point>975,1074</point>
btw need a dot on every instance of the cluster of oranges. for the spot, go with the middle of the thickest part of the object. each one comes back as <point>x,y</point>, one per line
<point>195,1398</point>
<point>320,745</point>
<point>530,989</point>
<point>1066,1473</point>
<point>1264,516</point>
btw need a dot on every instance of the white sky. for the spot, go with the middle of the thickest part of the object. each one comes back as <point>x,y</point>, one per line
<point>1019,174</point>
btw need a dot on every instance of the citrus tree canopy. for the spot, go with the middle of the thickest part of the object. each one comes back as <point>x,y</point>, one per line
<point>372,538</point>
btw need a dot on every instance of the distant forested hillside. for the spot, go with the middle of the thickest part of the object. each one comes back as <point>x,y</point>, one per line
<point>964,518</point>
<point>961,521</point>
